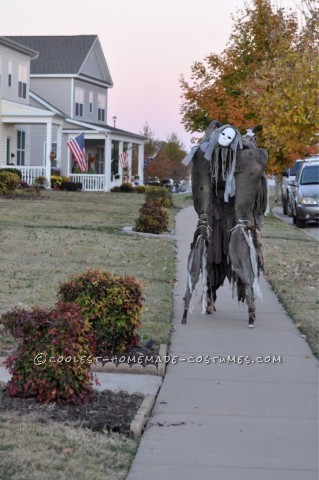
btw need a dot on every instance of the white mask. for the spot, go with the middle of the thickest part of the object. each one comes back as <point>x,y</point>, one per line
<point>226,137</point>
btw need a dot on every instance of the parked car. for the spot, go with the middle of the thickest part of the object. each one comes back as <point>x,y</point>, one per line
<point>168,182</point>
<point>287,188</point>
<point>152,181</point>
<point>305,194</point>
<point>177,186</point>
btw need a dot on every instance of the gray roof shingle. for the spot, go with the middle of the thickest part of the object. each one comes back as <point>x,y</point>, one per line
<point>58,54</point>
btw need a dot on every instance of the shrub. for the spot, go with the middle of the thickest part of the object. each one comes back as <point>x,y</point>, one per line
<point>110,303</point>
<point>161,195</point>
<point>153,218</point>
<point>140,189</point>
<point>71,186</point>
<point>13,170</point>
<point>65,343</point>
<point>40,182</point>
<point>9,181</point>
<point>23,184</point>
<point>56,181</point>
<point>126,187</point>
<point>115,189</point>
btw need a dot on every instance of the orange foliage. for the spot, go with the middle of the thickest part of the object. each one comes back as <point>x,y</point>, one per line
<point>268,76</point>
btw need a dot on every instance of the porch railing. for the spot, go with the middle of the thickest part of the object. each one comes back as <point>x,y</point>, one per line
<point>90,182</point>
<point>29,174</point>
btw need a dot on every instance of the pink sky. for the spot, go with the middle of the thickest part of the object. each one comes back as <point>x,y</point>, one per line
<point>147,45</point>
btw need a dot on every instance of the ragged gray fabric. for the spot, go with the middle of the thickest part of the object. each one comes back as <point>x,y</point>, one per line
<point>224,157</point>
<point>251,164</point>
<point>214,124</point>
<point>230,195</point>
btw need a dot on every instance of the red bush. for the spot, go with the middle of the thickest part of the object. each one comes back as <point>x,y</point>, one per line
<point>54,354</point>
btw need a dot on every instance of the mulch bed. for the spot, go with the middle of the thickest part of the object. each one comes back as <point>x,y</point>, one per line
<point>23,196</point>
<point>108,411</point>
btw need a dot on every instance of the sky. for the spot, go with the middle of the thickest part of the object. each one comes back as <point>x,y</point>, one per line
<point>147,44</point>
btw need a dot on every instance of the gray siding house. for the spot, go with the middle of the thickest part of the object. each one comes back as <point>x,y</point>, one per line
<point>67,82</point>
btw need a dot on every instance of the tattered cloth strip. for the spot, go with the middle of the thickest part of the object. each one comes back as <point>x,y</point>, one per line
<point>209,147</point>
<point>197,260</point>
<point>253,258</point>
<point>228,170</point>
<point>203,144</point>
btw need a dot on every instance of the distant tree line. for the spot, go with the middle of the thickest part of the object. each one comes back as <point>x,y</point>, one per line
<point>163,158</point>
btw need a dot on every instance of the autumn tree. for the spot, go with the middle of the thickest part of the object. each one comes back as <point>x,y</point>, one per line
<point>167,162</point>
<point>151,143</point>
<point>247,84</point>
<point>286,94</point>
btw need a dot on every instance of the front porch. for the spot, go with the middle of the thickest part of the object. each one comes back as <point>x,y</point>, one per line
<point>93,182</point>
<point>90,182</point>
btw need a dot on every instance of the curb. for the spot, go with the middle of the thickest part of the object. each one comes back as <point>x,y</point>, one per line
<point>130,231</point>
<point>142,416</point>
<point>158,369</point>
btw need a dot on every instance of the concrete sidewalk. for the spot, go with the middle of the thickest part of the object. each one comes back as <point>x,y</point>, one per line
<point>232,421</point>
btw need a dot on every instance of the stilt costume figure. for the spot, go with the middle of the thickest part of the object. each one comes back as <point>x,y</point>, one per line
<point>229,192</point>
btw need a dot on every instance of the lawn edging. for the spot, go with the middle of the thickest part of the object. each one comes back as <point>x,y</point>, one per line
<point>158,369</point>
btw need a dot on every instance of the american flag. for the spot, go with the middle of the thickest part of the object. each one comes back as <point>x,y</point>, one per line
<point>124,159</point>
<point>77,147</point>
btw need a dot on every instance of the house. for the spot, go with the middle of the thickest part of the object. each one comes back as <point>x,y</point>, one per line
<point>52,89</point>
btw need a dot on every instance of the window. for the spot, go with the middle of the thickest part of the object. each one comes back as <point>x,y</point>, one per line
<point>79,101</point>
<point>101,102</point>
<point>9,74</point>
<point>20,147</point>
<point>8,151</point>
<point>53,150</point>
<point>91,102</point>
<point>295,169</point>
<point>310,175</point>
<point>22,78</point>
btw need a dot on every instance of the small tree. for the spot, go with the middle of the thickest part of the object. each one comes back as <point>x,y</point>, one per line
<point>153,218</point>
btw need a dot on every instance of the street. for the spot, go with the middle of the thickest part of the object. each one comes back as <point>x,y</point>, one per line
<point>312,229</point>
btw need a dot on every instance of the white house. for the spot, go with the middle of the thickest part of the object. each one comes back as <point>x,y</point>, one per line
<point>52,89</point>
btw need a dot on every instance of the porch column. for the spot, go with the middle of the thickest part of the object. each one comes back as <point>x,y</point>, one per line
<point>129,159</point>
<point>107,163</point>
<point>47,153</point>
<point>59,147</point>
<point>120,170</point>
<point>141,161</point>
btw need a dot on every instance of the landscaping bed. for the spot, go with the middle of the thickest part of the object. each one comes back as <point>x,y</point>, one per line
<point>108,411</point>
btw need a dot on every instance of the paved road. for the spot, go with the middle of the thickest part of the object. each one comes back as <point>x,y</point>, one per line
<point>312,229</point>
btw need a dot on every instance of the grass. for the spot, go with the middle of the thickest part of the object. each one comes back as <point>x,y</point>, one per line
<point>32,450</point>
<point>44,242</point>
<point>291,267</point>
